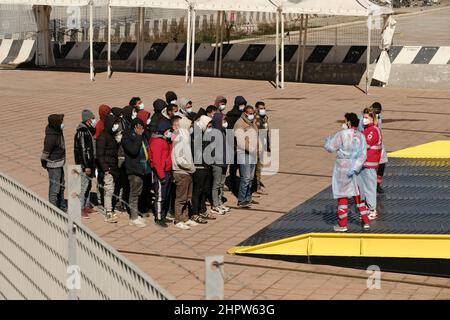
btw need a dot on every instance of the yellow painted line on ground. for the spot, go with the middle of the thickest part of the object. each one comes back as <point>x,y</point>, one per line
<point>355,245</point>
<point>436,149</point>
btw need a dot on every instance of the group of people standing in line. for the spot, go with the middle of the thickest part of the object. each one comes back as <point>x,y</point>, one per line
<point>155,163</point>
<point>359,167</point>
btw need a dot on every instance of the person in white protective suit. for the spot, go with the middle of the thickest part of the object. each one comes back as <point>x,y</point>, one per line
<point>350,147</point>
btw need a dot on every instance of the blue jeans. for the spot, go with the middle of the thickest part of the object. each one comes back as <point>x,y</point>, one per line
<point>246,172</point>
<point>56,188</point>
<point>86,186</point>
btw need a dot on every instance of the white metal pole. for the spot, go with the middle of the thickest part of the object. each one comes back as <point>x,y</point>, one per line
<point>91,41</point>
<point>305,38</point>
<point>138,41</point>
<point>222,26</point>
<point>193,45</point>
<point>188,44</point>
<point>282,50</point>
<point>109,43</point>
<point>141,36</point>
<point>277,49</point>
<point>369,34</point>
<point>216,48</point>
<point>300,32</point>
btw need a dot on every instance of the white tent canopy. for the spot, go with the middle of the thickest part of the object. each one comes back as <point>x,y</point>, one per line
<point>334,7</point>
<point>56,2</point>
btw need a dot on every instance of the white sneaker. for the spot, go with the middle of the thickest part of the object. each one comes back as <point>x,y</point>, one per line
<point>191,223</point>
<point>217,210</point>
<point>373,215</point>
<point>338,228</point>
<point>225,208</point>
<point>182,226</point>
<point>138,222</point>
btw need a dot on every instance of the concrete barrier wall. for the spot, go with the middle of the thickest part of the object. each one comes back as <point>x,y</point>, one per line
<point>420,76</point>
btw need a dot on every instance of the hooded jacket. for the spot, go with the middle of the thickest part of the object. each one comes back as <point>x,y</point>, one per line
<point>182,103</point>
<point>54,152</point>
<point>160,152</point>
<point>103,111</point>
<point>107,148</point>
<point>219,146</point>
<point>135,148</point>
<point>182,161</point>
<point>234,114</point>
<point>171,96</point>
<point>244,128</point>
<point>158,106</point>
<point>84,146</point>
<point>198,140</point>
<point>219,100</point>
<point>144,116</point>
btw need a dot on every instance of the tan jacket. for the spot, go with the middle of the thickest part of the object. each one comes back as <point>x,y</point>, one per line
<point>246,135</point>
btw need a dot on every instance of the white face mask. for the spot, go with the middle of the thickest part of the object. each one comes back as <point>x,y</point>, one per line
<point>191,130</point>
<point>208,130</point>
<point>149,120</point>
<point>141,106</point>
<point>189,110</point>
<point>118,137</point>
<point>173,102</point>
<point>225,124</point>
<point>93,123</point>
<point>222,107</point>
<point>366,121</point>
<point>115,127</point>
<point>250,117</point>
<point>134,115</point>
<point>178,113</point>
<point>62,126</point>
<point>241,107</point>
<point>344,126</point>
<point>262,112</point>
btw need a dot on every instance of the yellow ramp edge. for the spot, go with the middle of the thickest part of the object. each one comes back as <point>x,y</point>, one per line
<point>355,245</point>
<point>436,149</point>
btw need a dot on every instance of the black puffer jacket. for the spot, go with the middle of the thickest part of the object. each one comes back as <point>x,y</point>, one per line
<point>83,146</point>
<point>54,153</point>
<point>234,114</point>
<point>107,148</point>
<point>135,159</point>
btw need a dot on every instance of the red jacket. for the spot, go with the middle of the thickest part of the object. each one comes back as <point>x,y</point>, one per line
<point>374,146</point>
<point>160,155</point>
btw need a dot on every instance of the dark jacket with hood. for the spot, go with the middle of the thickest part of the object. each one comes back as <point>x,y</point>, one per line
<point>158,106</point>
<point>135,148</point>
<point>107,148</point>
<point>234,114</point>
<point>84,146</point>
<point>219,153</point>
<point>54,153</point>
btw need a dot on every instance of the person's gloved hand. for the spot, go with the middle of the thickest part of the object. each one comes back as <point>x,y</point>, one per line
<point>351,173</point>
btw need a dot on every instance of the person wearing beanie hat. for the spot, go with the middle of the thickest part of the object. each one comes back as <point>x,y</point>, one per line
<point>158,106</point>
<point>171,97</point>
<point>103,111</point>
<point>84,154</point>
<point>159,151</point>
<point>137,166</point>
<point>53,159</point>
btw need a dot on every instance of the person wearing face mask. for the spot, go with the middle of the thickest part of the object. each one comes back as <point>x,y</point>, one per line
<point>367,179</point>
<point>160,155</point>
<point>218,163</point>
<point>185,108</point>
<point>376,106</point>
<point>232,116</point>
<point>135,146</point>
<point>246,134</point>
<point>84,154</point>
<point>171,97</point>
<point>103,111</point>
<point>262,123</point>
<point>170,111</point>
<point>158,106</point>
<point>145,203</point>
<point>107,163</point>
<point>220,103</point>
<point>350,147</point>
<point>137,103</point>
<point>53,159</point>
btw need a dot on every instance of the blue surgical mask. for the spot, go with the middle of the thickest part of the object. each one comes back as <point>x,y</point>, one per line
<point>262,112</point>
<point>189,110</point>
<point>115,127</point>
<point>93,123</point>
<point>222,107</point>
<point>141,106</point>
<point>241,107</point>
<point>62,126</point>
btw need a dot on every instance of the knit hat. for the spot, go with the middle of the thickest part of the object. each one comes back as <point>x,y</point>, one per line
<point>203,122</point>
<point>86,115</point>
<point>163,126</point>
